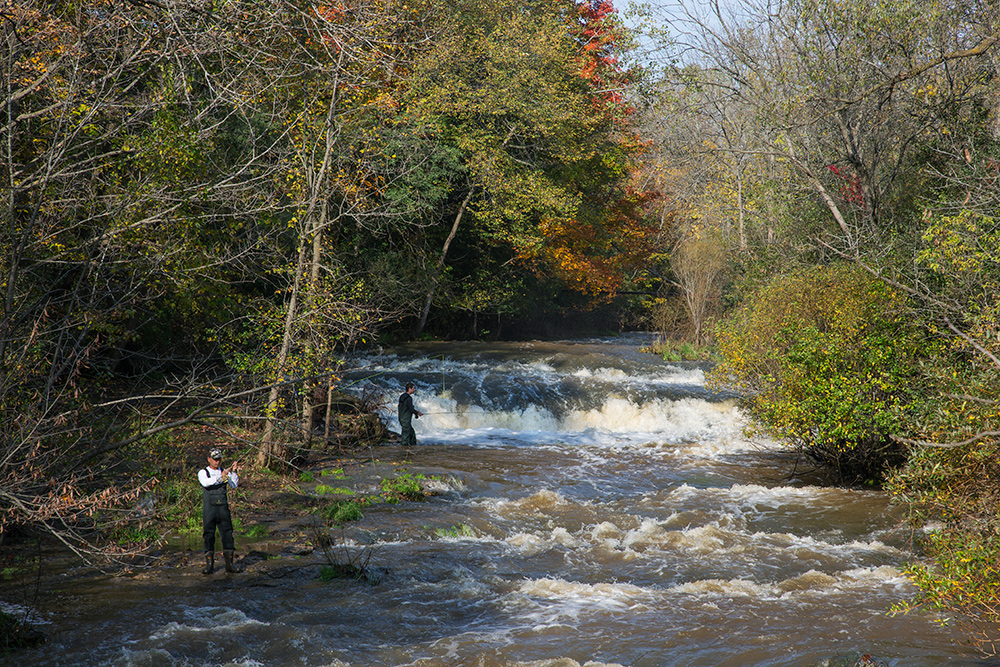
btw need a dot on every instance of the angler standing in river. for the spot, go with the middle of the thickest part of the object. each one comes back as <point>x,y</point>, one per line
<point>215,509</point>
<point>406,413</point>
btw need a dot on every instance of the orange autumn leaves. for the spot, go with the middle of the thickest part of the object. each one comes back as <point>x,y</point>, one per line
<point>598,257</point>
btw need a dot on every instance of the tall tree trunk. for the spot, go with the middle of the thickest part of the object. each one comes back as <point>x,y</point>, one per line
<point>740,213</point>
<point>439,269</point>
<point>269,449</point>
<point>309,388</point>
<point>311,236</point>
<point>831,205</point>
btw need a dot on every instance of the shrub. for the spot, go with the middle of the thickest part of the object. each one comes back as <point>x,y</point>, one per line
<point>958,490</point>
<point>403,487</point>
<point>956,486</point>
<point>176,499</point>
<point>826,360</point>
<point>16,634</point>
<point>341,511</point>
<point>461,530</point>
<point>258,530</point>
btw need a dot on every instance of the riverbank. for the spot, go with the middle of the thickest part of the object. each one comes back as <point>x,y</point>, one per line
<point>280,516</point>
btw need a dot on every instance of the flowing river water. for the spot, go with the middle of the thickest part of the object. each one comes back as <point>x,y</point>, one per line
<point>595,506</point>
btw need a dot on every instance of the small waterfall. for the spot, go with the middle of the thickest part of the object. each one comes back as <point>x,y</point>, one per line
<point>531,394</point>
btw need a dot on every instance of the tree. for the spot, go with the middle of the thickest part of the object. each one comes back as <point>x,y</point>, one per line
<point>839,92</point>
<point>525,121</point>
<point>111,206</point>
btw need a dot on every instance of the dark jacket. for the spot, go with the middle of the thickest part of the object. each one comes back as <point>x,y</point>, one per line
<point>406,409</point>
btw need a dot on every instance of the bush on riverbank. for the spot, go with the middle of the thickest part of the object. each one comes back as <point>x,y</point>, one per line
<point>826,360</point>
<point>951,496</point>
<point>681,350</point>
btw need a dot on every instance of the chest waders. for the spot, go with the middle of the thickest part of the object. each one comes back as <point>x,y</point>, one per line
<point>215,513</point>
<point>408,437</point>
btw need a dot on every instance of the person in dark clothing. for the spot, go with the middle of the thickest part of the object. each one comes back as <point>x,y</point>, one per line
<point>406,413</point>
<point>215,509</point>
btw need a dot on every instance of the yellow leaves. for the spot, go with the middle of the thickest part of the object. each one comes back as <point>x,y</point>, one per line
<point>958,248</point>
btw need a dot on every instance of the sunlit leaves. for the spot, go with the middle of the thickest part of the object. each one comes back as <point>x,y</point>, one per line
<point>828,362</point>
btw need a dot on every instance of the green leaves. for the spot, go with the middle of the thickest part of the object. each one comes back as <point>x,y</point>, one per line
<point>828,362</point>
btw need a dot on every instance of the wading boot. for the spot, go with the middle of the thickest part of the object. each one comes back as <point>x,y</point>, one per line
<point>228,555</point>
<point>209,563</point>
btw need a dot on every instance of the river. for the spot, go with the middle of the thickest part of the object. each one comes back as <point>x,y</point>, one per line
<point>596,506</point>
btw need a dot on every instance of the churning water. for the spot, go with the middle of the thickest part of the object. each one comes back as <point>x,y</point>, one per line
<point>597,506</point>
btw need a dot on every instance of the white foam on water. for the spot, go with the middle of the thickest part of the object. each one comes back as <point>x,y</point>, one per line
<point>552,601</point>
<point>376,366</point>
<point>811,583</point>
<point>575,598</point>
<point>720,535</point>
<point>752,495</point>
<point>606,374</point>
<point>531,544</point>
<point>564,662</point>
<point>208,619</point>
<point>753,500</point>
<point>159,657</point>
<point>717,539</point>
<point>462,584</point>
<point>731,588</point>
<point>669,376</point>
<point>541,501</point>
<point>684,418</point>
<point>20,612</point>
<point>689,427</point>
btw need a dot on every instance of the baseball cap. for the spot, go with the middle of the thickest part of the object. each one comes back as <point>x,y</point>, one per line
<point>216,454</point>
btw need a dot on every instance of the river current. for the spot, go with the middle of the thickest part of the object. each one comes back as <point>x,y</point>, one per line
<point>595,506</point>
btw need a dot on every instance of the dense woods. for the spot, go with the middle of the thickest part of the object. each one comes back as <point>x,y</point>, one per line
<point>844,154</point>
<point>206,203</point>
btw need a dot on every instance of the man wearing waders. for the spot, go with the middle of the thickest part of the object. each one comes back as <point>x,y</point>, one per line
<point>406,413</point>
<point>215,509</point>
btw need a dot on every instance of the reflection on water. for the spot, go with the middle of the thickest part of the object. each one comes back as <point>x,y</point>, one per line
<point>598,506</point>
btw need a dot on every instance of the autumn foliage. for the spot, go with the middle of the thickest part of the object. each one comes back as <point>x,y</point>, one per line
<point>826,360</point>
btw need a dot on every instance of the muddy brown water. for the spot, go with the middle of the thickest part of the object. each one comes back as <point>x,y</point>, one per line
<point>594,506</point>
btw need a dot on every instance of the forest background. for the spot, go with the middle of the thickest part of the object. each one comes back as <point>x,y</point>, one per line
<point>207,203</point>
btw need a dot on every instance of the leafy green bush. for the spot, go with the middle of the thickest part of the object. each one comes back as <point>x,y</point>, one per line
<point>258,530</point>
<point>402,487</point>
<point>340,511</point>
<point>958,490</point>
<point>827,360</point>
<point>952,478</point>
<point>461,530</point>
<point>176,499</point>
<point>134,535</point>
<point>962,580</point>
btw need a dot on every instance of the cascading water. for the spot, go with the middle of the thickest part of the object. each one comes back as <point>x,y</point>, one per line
<point>597,506</point>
